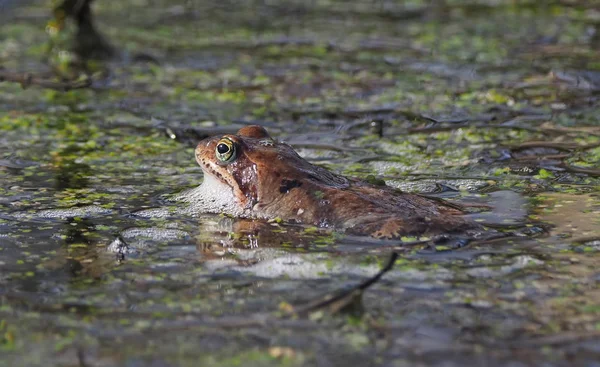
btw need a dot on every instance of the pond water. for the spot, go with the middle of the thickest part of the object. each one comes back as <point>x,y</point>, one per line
<point>485,102</point>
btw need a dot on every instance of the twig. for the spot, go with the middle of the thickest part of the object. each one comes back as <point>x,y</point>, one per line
<point>28,79</point>
<point>553,145</point>
<point>358,113</point>
<point>342,299</point>
<point>559,339</point>
<point>331,147</point>
<point>582,240</point>
<point>587,171</point>
<point>422,130</point>
<point>541,157</point>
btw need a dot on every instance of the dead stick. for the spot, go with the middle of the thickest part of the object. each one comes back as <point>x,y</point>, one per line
<point>28,79</point>
<point>330,300</point>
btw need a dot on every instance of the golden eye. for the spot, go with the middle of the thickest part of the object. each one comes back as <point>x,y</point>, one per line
<point>225,150</point>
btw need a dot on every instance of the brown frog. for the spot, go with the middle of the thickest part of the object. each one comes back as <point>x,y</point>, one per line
<point>251,175</point>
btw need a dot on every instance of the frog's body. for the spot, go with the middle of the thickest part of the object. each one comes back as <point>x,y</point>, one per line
<point>251,175</point>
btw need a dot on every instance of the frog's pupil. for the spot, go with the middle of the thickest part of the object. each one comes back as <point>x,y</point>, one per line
<point>222,148</point>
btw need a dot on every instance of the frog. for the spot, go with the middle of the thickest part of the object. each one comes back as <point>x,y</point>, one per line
<point>251,175</point>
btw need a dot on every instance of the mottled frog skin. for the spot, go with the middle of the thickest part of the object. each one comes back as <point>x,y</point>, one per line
<point>251,175</point>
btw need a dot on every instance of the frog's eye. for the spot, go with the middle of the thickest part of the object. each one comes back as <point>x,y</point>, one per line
<point>225,150</point>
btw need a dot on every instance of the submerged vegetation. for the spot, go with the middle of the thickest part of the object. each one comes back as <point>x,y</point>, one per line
<point>493,103</point>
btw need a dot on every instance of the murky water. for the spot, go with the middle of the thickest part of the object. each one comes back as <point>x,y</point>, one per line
<point>488,103</point>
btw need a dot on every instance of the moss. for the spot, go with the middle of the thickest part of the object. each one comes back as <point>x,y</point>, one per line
<point>544,174</point>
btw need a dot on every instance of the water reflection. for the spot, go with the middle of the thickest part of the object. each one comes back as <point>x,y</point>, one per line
<point>70,172</point>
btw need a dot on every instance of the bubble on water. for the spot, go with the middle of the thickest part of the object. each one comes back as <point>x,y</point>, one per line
<point>212,196</point>
<point>79,212</point>
<point>133,239</point>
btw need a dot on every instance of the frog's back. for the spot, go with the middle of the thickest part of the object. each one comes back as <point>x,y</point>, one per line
<point>388,213</point>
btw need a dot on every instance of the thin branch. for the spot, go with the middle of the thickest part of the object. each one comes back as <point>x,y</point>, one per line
<point>336,302</point>
<point>27,79</point>
<point>558,339</point>
<point>435,129</point>
<point>553,145</point>
<point>582,240</point>
<point>587,171</point>
<point>542,157</point>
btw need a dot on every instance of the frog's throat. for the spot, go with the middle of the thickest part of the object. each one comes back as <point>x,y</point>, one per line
<point>216,196</point>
